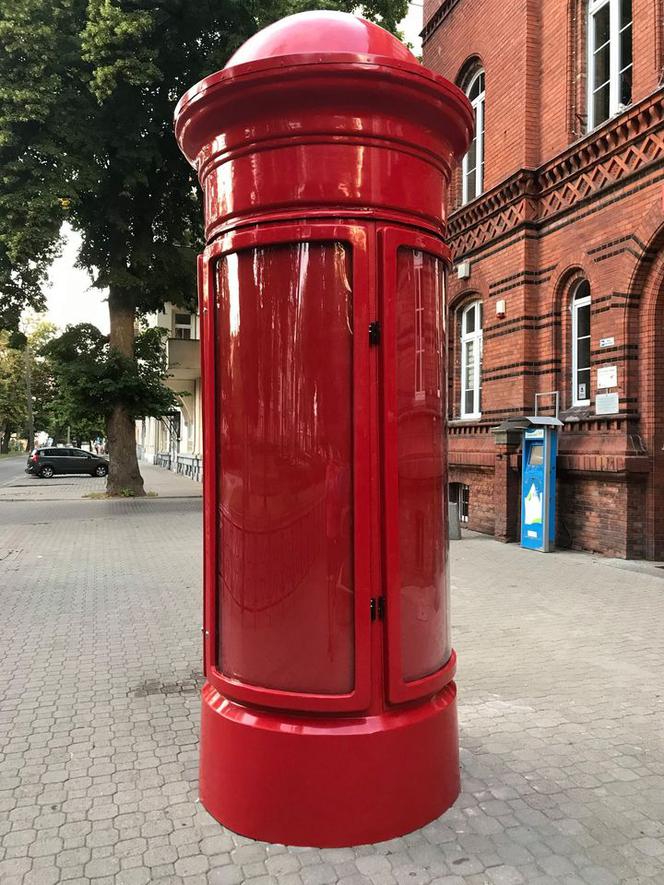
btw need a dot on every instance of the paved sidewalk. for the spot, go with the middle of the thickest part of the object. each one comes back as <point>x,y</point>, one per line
<point>25,487</point>
<point>561,708</point>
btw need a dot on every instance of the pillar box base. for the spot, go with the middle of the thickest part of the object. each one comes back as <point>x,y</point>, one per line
<point>328,782</point>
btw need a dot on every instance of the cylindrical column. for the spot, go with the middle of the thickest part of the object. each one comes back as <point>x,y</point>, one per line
<point>324,152</point>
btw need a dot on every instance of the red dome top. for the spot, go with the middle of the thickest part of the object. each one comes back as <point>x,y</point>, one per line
<point>321,32</point>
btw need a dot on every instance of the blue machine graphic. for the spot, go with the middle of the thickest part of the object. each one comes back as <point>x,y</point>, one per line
<point>538,483</point>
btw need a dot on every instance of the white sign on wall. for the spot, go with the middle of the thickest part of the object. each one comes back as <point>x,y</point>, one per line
<point>606,404</point>
<point>607,342</point>
<point>607,376</point>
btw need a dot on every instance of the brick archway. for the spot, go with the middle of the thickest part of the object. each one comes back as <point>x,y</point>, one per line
<point>651,389</point>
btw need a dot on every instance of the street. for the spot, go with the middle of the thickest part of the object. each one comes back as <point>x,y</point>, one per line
<point>11,468</point>
<point>560,701</point>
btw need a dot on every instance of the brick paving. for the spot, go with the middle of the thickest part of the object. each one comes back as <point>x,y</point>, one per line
<point>561,709</point>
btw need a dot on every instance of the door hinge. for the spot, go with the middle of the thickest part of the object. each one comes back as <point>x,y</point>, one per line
<point>377,608</point>
<point>374,334</point>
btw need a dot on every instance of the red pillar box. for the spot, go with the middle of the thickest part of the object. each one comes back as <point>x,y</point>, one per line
<point>324,152</point>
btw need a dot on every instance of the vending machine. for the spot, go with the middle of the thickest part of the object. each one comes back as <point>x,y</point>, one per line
<point>538,483</point>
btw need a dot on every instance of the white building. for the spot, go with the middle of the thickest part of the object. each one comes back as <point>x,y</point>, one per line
<point>175,441</point>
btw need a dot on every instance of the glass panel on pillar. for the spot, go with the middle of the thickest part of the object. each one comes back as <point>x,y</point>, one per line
<point>285,362</point>
<point>425,643</point>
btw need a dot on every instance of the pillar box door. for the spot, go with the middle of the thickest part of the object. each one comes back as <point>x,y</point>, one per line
<point>288,463</point>
<point>324,151</point>
<point>420,659</point>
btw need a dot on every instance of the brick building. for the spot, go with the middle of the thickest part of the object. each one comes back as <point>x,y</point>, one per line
<point>557,229</point>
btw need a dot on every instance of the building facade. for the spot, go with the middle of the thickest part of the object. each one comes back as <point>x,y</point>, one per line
<point>176,440</point>
<point>557,228</point>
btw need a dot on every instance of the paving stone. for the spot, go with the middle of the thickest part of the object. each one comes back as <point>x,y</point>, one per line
<point>103,866</point>
<point>98,755</point>
<point>228,875</point>
<point>137,876</point>
<point>192,866</point>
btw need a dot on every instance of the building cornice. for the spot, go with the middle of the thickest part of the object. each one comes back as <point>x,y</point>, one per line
<point>437,18</point>
<point>621,149</point>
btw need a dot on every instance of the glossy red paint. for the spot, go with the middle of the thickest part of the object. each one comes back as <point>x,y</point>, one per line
<point>324,153</point>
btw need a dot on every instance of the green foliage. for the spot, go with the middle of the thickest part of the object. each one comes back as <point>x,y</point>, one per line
<point>91,378</point>
<point>39,99</point>
<point>12,390</point>
<point>87,91</point>
<point>387,13</point>
<point>20,356</point>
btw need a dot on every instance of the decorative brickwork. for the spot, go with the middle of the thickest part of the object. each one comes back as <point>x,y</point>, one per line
<point>620,150</point>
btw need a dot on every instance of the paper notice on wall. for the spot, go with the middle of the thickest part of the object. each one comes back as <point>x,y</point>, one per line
<point>607,376</point>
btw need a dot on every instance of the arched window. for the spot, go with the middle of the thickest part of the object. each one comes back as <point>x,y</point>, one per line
<point>609,59</point>
<point>473,162</point>
<point>471,360</point>
<point>581,344</point>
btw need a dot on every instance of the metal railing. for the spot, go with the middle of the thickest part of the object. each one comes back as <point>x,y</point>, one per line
<point>191,466</point>
<point>163,459</point>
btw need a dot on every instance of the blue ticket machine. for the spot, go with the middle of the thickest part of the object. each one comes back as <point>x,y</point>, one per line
<point>538,483</point>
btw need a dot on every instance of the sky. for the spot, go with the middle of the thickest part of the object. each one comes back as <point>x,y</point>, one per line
<point>70,297</point>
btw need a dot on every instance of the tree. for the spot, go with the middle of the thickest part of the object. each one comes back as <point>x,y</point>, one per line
<point>89,88</point>
<point>12,392</point>
<point>91,376</point>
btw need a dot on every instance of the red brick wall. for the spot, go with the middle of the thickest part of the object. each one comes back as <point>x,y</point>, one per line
<point>535,64</point>
<point>588,510</point>
<point>480,503</point>
<point>562,204</point>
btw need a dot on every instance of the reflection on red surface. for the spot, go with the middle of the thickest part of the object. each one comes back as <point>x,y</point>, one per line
<point>284,357</point>
<point>425,639</point>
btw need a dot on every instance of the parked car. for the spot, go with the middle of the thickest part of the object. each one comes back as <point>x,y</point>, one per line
<point>47,462</point>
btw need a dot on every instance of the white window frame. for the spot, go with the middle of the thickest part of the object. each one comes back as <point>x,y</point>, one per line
<point>189,325</point>
<point>578,303</point>
<point>478,110</point>
<point>459,495</point>
<point>615,30</point>
<point>464,502</point>
<point>476,337</point>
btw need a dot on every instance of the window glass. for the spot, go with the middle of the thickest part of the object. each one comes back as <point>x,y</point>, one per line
<point>285,363</point>
<point>471,360</point>
<point>464,503</point>
<point>601,103</point>
<point>536,455</point>
<point>581,339</point>
<point>473,163</point>
<point>601,25</point>
<point>609,58</point>
<point>470,319</point>
<point>182,325</point>
<point>583,320</point>
<point>421,450</point>
<point>583,353</point>
<point>602,66</point>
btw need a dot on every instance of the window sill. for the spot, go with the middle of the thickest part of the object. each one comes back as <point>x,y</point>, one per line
<point>623,109</point>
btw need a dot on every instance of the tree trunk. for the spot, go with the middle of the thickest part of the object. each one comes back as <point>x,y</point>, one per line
<point>123,474</point>
<point>4,440</point>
